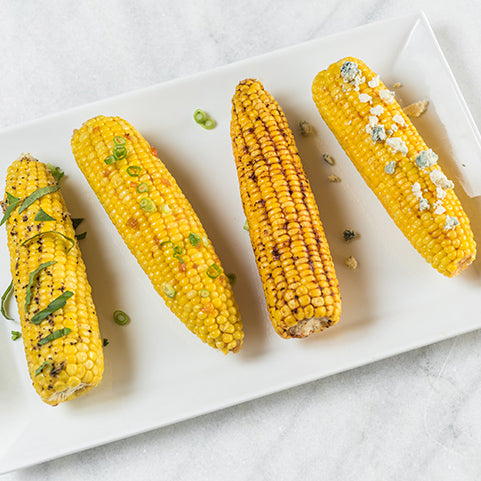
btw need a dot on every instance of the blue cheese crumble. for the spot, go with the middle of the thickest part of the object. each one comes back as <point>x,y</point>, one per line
<point>426,158</point>
<point>423,204</point>
<point>390,167</point>
<point>349,70</point>
<point>451,222</point>
<point>378,133</point>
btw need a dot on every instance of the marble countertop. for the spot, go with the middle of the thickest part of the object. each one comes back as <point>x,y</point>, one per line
<point>415,416</point>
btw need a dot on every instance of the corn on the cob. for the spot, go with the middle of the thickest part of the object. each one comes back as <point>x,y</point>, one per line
<point>44,268</point>
<point>286,233</point>
<point>395,162</point>
<point>160,228</point>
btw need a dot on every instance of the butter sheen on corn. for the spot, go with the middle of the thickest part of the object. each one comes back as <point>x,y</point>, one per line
<point>161,229</point>
<point>72,364</point>
<point>286,233</point>
<point>396,163</point>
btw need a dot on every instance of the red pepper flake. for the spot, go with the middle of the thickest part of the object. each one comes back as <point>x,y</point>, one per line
<point>208,308</point>
<point>134,223</point>
<point>153,150</point>
<point>127,135</point>
<point>134,185</point>
<point>182,267</point>
<point>96,130</point>
<point>165,181</point>
<point>106,172</point>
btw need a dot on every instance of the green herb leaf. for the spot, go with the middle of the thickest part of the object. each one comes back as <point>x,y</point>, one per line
<point>121,318</point>
<point>42,216</point>
<point>55,335</point>
<point>105,342</point>
<point>56,172</point>
<point>4,301</point>
<point>232,277</point>
<point>40,369</point>
<point>28,294</point>
<point>50,232</point>
<point>55,305</point>
<point>16,335</point>
<point>214,271</point>
<point>194,239</point>
<point>76,222</point>
<point>81,236</point>
<point>12,203</point>
<point>48,189</point>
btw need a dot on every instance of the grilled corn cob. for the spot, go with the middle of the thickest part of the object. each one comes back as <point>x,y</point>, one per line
<point>395,162</point>
<point>45,267</point>
<point>160,228</point>
<point>287,237</point>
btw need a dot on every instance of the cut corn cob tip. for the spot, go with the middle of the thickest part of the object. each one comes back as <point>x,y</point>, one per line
<point>395,162</point>
<point>64,350</point>
<point>286,234</point>
<point>160,228</point>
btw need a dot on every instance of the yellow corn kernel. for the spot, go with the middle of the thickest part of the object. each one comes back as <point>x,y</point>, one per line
<point>286,233</point>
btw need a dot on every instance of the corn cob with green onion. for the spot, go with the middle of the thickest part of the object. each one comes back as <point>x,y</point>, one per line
<point>395,162</point>
<point>160,228</point>
<point>60,330</point>
<point>290,247</point>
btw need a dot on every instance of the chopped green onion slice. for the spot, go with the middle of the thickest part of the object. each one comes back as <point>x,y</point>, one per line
<point>48,189</point>
<point>162,244</point>
<point>204,293</point>
<point>110,159</point>
<point>178,251</point>
<point>55,305</point>
<point>56,172</point>
<point>246,225</point>
<point>42,216</point>
<point>15,335</point>
<point>205,241</point>
<point>40,369</point>
<point>81,236</point>
<point>105,341</point>
<point>194,239</point>
<point>12,203</point>
<point>118,140</point>
<point>4,301</point>
<point>142,188</point>
<point>169,291</point>
<point>120,152</point>
<point>28,294</point>
<point>76,222</point>
<point>232,277</point>
<point>147,205</point>
<point>214,271</point>
<point>200,116</point>
<point>26,241</point>
<point>55,335</point>
<point>209,124</point>
<point>166,209</point>
<point>121,318</point>
<point>134,170</point>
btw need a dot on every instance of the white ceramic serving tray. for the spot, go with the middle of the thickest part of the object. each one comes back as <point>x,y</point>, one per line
<point>156,371</point>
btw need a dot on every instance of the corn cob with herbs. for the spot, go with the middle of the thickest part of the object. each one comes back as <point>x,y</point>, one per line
<point>160,228</point>
<point>286,233</point>
<point>60,330</point>
<point>395,162</point>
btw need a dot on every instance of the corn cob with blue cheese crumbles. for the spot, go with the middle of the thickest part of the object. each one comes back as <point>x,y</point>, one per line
<point>160,228</point>
<point>396,163</point>
<point>60,329</point>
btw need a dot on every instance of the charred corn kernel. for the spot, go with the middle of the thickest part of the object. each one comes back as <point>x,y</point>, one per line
<point>395,162</point>
<point>66,372</point>
<point>286,233</point>
<point>160,238</point>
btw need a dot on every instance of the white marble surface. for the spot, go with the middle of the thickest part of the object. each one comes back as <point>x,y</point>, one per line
<point>416,416</point>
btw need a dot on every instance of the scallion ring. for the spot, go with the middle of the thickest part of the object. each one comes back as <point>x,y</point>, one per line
<point>147,205</point>
<point>204,293</point>
<point>169,291</point>
<point>200,116</point>
<point>142,188</point>
<point>214,271</point>
<point>134,170</point>
<point>119,152</point>
<point>118,140</point>
<point>209,124</point>
<point>110,159</point>
<point>121,318</point>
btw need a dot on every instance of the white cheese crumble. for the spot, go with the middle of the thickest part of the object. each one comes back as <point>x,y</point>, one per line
<point>399,120</point>
<point>358,80</point>
<point>416,188</point>
<point>397,145</point>
<point>440,193</point>
<point>374,82</point>
<point>440,180</point>
<point>364,98</point>
<point>390,167</point>
<point>426,158</point>
<point>394,127</point>
<point>439,208</point>
<point>387,96</point>
<point>377,110</point>
<point>372,122</point>
<point>451,222</point>
<point>423,204</point>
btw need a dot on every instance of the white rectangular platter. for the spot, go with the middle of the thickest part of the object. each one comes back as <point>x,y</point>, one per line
<point>156,371</point>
